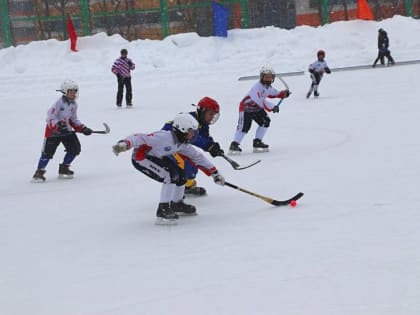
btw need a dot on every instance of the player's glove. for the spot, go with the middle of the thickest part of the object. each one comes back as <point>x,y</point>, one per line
<point>284,94</point>
<point>218,178</point>
<point>276,109</point>
<point>215,150</point>
<point>121,146</point>
<point>86,131</point>
<point>328,70</point>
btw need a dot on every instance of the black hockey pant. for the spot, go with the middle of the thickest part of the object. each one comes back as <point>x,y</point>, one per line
<point>260,117</point>
<point>163,170</point>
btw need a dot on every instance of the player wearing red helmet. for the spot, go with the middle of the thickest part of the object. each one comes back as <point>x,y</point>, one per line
<point>207,113</point>
<point>317,70</point>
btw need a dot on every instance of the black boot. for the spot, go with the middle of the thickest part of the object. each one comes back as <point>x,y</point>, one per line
<point>38,176</point>
<point>234,148</point>
<point>183,208</point>
<point>260,146</point>
<point>316,94</point>
<point>64,171</point>
<point>195,191</point>
<point>165,215</point>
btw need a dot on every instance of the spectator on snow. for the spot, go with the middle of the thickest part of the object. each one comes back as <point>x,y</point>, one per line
<point>122,68</point>
<point>383,49</point>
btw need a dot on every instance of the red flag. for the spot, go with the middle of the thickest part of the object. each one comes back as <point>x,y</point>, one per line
<point>72,33</point>
<point>363,10</point>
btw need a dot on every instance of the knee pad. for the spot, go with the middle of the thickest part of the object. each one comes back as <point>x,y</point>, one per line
<point>266,122</point>
<point>178,180</point>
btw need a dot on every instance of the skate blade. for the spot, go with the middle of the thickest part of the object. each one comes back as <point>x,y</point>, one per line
<point>63,176</point>
<point>234,153</point>
<point>260,150</point>
<point>163,221</point>
<point>37,180</point>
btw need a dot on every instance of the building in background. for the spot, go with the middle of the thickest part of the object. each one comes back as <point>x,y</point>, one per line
<point>23,21</point>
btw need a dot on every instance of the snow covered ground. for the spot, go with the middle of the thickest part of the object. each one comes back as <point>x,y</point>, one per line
<point>89,245</point>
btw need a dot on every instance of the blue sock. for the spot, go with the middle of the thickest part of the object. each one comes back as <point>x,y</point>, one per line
<point>42,164</point>
<point>68,158</point>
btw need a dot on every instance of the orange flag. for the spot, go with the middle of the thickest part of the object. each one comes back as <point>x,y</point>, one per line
<point>363,10</point>
<point>72,33</point>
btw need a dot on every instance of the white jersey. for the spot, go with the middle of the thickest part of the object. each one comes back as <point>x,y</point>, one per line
<point>164,143</point>
<point>318,66</point>
<point>62,110</point>
<point>256,100</point>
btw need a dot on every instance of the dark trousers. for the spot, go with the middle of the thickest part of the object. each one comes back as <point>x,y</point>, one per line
<point>260,117</point>
<point>128,93</point>
<point>71,144</point>
<point>381,57</point>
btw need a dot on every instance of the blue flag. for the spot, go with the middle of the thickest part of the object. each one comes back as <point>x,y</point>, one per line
<point>220,19</point>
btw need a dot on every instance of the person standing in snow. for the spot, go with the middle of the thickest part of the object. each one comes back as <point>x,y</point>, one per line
<point>317,69</point>
<point>254,107</point>
<point>383,49</point>
<point>62,125</point>
<point>152,156</point>
<point>207,113</point>
<point>122,69</point>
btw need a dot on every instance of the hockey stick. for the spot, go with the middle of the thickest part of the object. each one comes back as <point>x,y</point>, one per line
<point>236,165</point>
<point>285,74</point>
<point>267,199</point>
<point>106,131</point>
<point>284,82</point>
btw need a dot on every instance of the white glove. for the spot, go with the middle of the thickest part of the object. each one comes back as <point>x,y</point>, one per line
<point>121,146</point>
<point>218,178</point>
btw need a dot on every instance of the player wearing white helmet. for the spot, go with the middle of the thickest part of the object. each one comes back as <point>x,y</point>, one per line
<point>207,113</point>
<point>151,156</point>
<point>254,107</point>
<point>62,125</point>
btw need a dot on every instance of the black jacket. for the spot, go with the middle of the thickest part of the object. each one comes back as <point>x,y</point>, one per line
<point>383,40</point>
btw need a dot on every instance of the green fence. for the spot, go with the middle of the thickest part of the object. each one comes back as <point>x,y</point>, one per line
<point>23,21</point>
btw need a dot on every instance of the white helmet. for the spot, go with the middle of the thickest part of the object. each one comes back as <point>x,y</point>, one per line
<point>267,70</point>
<point>183,123</point>
<point>69,85</point>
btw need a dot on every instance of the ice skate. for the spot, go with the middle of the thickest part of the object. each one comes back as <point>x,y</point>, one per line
<point>38,176</point>
<point>316,94</point>
<point>260,146</point>
<point>234,148</point>
<point>165,215</point>
<point>182,208</point>
<point>308,95</point>
<point>64,172</point>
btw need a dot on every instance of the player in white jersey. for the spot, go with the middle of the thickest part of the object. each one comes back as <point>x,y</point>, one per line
<point>62,125</point>
<point>317,69</point>
<point>254,107</point>
<point>151,156</point>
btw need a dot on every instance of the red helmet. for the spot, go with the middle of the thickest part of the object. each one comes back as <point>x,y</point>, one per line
<point>205,104</point>
<point>320,53</point>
